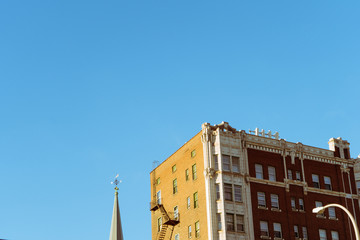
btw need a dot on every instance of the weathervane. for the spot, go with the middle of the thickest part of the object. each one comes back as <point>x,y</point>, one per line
<point>116,182</point>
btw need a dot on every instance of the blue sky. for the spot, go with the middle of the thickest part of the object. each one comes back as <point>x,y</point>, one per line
<point>89,89</point>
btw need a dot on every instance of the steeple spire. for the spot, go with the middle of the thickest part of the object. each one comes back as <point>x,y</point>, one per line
<point>116,230</point>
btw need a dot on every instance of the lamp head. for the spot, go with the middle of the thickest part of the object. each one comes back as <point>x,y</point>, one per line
<point>318,210</point>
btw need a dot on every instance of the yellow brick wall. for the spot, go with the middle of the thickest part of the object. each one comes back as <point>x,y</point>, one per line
<point>183,160</point>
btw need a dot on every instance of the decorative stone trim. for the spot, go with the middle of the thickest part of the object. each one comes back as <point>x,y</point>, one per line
<point>265,237</point>
<point>267,182</point>
<point>332,193</point>
<point>306,188</point>
<point>209,172</point>
<point>264,148</point>
<point>308,156</point>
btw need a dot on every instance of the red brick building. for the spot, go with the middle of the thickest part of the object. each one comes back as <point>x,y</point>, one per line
<point>257,186</point>
<point>303,180</point>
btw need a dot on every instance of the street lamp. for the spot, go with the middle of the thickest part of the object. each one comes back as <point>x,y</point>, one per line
<point>320,210</point>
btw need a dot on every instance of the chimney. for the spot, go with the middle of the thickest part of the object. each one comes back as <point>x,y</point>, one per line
<point>340,147</point>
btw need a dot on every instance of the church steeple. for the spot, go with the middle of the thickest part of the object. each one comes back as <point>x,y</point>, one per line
<point>116,230</point>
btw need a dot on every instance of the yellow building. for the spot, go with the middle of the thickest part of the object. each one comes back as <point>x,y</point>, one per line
<point>179,201</point>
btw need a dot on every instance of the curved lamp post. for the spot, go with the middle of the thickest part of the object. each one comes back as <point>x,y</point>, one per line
<point>320,210</point>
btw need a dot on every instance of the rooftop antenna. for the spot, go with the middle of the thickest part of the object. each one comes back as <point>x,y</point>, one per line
<point>155,164</point>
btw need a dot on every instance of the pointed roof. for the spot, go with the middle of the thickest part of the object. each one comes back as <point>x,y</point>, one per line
<point>116,230</point>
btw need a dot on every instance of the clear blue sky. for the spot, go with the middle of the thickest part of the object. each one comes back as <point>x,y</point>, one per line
<point>89,89</point>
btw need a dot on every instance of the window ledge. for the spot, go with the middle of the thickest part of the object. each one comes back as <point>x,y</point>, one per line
<point>302,211</point>
<point>294,209</point>
<point>276,209</point>
<point>264,208</point>
<point>320,216</point>
<point>333,218</point>
<point>265,237</point>
<point>275,238</point>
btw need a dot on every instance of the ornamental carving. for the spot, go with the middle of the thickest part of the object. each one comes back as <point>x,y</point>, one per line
<point>209,172</point>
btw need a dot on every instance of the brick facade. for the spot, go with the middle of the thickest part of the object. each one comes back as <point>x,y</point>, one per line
<point>253,186</point>
<point>183,160</point>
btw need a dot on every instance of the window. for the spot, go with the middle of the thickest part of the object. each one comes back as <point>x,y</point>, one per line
<point>174,186</point>
<point>296,231</point>
<point>293,204</point>
<point>174,168</point>
<point>226,163</point>
<point>327,182</point>
<point>189,231</point>
<point>274,201</point>
<point>334,235</point>
<point>158,181</point>
<point>217,191</point>
<point>259,171</point>
<point>315,180</point>
<point>298,176</point>
<point>188,204</point>
<point>358,186</point>
<point>261,199</point>
<point>301,204</point>
<point>228,192</point>
<point>194,174</point>
<point>196,202</point>
<point>319,204</point>
<point>176,212</point>
<point>193,153</point>
<point>237,193</point>
<point>187,174</point>
<point>197,229</point>
<point>264,231</point>
<point>346,153</point>
<point>159,223</point>
<point>277,230</point>
<point>290,174</point>
<point>158,197</point>
<point>322,234</point>
<point>332,213</point>
<point>235,164</point>
<point>240,223</point>
<point>304,232</point>
<point>216,162</point>
<point>177,237</point>
<point>272,174</point>
<point>218,215</point>
<point>230,222</point>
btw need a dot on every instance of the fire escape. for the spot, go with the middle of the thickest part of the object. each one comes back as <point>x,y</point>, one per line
<point>169,220</point>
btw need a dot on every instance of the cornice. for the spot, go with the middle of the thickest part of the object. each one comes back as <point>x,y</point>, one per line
<point>267,182</point>
<point>281,146</point>
<point>309,189</point>
<point>292,149</point>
